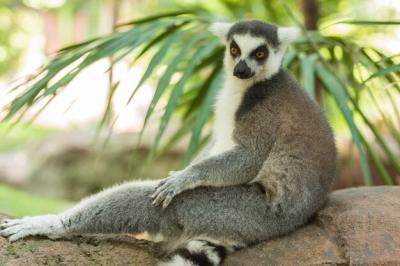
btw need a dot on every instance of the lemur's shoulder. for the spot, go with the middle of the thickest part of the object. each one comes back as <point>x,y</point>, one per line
<point>279,86</point>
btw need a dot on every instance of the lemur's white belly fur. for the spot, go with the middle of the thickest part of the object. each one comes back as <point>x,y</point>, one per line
<point>228,101</point>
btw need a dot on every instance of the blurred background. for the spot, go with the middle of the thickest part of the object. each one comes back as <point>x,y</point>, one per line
<point>96,92</point>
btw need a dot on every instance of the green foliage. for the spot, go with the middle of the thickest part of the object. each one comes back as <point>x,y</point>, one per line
<point>20,134</point>
<point>24,204</point>
<point>354,76</point>
<point>11,37</point>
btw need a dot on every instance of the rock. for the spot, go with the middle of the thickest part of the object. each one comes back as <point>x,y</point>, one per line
<point>357,226</point>
<point>98,250</point>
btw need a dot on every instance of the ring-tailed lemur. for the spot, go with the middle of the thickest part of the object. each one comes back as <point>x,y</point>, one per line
<point>269,169</point>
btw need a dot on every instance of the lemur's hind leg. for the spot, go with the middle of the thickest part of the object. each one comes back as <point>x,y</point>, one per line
<point>125,208</point>
<point>200,225</point>
<point>218,221</point>
<point>234,214</point>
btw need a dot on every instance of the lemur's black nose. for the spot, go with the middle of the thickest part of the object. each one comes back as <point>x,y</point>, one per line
<point>242,71</point>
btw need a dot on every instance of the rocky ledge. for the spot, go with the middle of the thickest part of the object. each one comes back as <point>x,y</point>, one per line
<point>357,226</point>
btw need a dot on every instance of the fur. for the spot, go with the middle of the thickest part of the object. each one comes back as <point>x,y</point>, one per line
<point>268,170</point>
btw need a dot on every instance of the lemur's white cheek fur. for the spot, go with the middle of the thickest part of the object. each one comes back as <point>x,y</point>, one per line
<point>274,61</point>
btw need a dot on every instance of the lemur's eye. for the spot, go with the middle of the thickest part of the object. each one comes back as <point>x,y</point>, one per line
<point>260,55</point>
<point>235,51</point>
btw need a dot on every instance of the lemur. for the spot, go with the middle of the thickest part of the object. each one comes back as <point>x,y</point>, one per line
<point>268,169</point>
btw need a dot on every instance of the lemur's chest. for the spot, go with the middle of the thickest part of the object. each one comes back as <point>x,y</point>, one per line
<point>228,102</point>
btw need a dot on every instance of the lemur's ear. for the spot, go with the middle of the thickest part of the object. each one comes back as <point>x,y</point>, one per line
<point>221,29</point>
<point>288,34</point>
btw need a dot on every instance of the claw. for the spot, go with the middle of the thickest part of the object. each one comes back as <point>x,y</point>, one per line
<point>10,222</point>
<point>8,231</point>
<point>161,183</point>
<point>157,199</point>
<point>157,192</point>
<point>165,191</point>
<point>164,197</point>
<point>14,238</point>
<point>168,199</point>
<point>157,189</point>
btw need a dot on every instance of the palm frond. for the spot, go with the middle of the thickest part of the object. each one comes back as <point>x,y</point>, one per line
<point>178,41</point>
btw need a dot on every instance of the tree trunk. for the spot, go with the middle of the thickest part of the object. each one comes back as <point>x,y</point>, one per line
<point>310,14</point>
<point>310,10</point>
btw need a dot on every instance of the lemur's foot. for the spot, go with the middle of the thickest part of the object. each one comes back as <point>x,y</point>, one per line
<point>167,189</point>
<point>47,225</point>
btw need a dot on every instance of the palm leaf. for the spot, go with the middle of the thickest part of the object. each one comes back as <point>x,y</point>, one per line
<point>337,90</point>
<point>213,85</point>
<point>156,17</point>
<point>172,101</point>
<point>384,72</point>
<point>307,71</point>
<point>371,22</point>
<point>156,60</point>
<point>179,41</point>
<point>166,77</point>
<point>105,48</point>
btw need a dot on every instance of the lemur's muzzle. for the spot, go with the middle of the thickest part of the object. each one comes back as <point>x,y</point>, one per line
<point>242,71</point>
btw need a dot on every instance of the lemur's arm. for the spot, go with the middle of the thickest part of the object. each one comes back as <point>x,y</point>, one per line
<point>233,167</point>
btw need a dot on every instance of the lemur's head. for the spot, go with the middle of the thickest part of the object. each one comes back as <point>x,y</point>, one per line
<point>254,48</point>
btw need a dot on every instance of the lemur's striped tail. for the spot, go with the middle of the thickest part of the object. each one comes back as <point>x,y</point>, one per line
<point>198,253</point>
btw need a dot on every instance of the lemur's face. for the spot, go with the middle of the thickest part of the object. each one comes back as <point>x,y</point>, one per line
<point>247,55</point>
<point>254,49</point>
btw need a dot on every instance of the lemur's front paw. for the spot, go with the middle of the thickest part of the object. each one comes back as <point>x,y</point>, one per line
<point>15,229</point>
<point>166,190</point>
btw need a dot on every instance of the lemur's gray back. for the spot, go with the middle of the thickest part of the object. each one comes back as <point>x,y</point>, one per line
<point>297,146</point>
<point>291,123</point>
